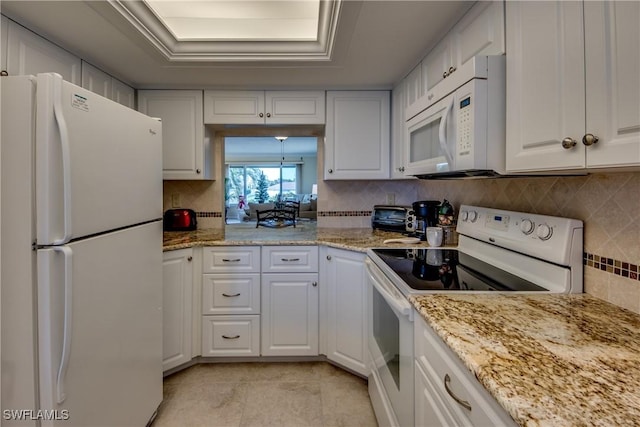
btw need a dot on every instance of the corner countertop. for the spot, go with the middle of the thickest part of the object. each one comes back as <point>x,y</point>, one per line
<point>549,360</point>
<point>356,239</point>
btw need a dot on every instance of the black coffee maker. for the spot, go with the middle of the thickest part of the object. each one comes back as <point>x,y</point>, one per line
<point>426,214</point>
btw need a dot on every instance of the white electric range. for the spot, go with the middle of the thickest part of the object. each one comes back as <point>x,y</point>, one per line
<point>498,251</point>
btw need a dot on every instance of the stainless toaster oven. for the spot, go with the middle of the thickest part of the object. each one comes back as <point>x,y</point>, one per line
<point>390,217</point>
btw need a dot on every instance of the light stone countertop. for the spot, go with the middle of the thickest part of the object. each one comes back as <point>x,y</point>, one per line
<point>356,239</point>
<point>549,360</point>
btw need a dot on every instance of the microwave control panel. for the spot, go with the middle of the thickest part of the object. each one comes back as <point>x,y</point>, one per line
<point>465,125</point>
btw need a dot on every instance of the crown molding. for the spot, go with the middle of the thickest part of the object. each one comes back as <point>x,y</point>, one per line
<point>145,21</point>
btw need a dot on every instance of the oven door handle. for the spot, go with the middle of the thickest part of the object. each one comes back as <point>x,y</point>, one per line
<point>398,303</point>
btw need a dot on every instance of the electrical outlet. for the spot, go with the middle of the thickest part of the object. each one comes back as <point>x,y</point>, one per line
<point>175,200</point>
<point>391,199</point>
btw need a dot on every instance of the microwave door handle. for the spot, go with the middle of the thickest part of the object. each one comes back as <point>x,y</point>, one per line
<point>443,134</point>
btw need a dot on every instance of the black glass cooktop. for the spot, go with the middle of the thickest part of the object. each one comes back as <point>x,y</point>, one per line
<point>450,270</point>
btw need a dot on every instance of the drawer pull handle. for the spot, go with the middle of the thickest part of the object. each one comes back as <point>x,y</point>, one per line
<point>230,296</point>
<point>464,403</point>
<point>235,337</point>
<point>290,259</point>
<point>231,260</point>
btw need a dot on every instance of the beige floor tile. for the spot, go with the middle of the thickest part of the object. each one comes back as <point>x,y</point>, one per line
<point>294,404</point>
<point>265,394</point>
<point>346,404</point>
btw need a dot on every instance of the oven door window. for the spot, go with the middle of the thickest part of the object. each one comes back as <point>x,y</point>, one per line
<point>386,331</point>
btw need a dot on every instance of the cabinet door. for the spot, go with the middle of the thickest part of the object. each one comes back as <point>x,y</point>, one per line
<point>436,64</point>
<point>413,92</point>
<point>28,53</point>
<point>545,83</point>
<point>96,80</point>
<point>479,32</point>
<point>398,125</point>
<point>295,108</point>
<point>429,406</point>
<point>613,84</point>
<point>123,93</point>
<point>357,138</point>
<point>346,309</point>
<point>234,107</point>
<point>289,314</point>
<point>177,279</point>
<point>4,35</point>
<point>182,130</point>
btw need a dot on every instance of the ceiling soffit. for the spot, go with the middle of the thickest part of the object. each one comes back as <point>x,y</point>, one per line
<point>145,21</point>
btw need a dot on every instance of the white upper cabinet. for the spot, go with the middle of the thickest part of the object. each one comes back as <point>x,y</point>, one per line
<point>96,80</point>
<point>123,93</point>
<point>479,32</point>
<point>413,92</point>
<point>357,135</point>
<point>102,83</point>
<point>612,65</point>
<point>28,53</point>
<point>4,35</point>
<point>567,85</point>
<point>185,150</point>
<point>398,134</point>
<point>260,107</point>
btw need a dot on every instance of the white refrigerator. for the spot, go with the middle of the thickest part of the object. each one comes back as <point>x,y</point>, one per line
<point>81,247</point>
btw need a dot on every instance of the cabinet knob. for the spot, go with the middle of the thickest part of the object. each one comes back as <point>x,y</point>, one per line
<point>268,114</point>
<point>330,170</point>
<point>314,284</point>
<point>261,115</point>
<point>329,257</point>
<point>4,73</point>
<point>590,139</point>
<point>444,75</point>
<point>198,171</point>
<point>568,143</point>
<point>452,70</point>
<point>190,258</point>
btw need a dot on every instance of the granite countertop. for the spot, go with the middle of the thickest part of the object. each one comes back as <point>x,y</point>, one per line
<point>357,239</point>
<point>552,360</point>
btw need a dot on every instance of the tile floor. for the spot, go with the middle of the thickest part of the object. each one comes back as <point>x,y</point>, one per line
<point>265,394</point>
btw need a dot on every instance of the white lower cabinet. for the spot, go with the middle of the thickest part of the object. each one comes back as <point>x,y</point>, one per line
<point>230,336</point>
<point>446,392</point>
<point>231,301</point>
<point>344,283</point>
<point>290,320</point>
<point>177,280</point>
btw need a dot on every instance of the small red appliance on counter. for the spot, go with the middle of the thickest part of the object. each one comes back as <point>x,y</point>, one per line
<point>180,220</point>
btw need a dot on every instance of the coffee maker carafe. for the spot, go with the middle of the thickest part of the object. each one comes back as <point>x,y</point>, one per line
<point>426,214</point>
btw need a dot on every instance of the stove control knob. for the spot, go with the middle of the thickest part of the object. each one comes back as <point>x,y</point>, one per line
<point>527,226</point>
<point>473,216</point>
<point>464,215</point>
<point>544,232</point>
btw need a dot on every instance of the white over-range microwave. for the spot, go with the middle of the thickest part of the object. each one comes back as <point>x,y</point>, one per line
<point>461,132</point>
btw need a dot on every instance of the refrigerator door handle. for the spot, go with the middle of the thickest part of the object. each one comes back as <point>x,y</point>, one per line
<point>66,160</point>
<point>66,339</point>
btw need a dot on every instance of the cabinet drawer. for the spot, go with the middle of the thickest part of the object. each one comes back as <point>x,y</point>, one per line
<point>231,259</point>
<point>230,336</point>
<point>440,362</point>
<point>289,259</point>
<point>231,293</point>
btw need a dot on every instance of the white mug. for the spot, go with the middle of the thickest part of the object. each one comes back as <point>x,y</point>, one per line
<point>435,235</point>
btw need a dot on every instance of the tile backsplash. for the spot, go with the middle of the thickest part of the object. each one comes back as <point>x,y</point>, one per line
<point>607,203</point>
